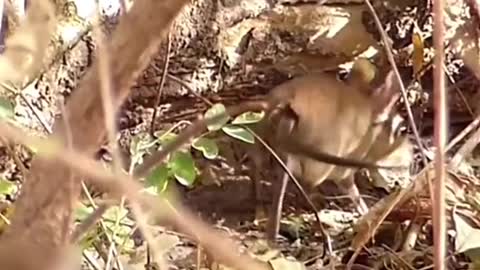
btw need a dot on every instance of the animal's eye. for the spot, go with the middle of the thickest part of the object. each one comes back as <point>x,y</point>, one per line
<point>400,130</point>
<point>397,125</point>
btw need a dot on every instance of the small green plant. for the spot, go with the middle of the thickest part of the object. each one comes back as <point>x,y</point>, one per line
<point>7,188</point>
<point>180,165</point>
<point>236,128</point>
<point>120,230</point>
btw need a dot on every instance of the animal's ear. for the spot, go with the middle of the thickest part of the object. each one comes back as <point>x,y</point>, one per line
<point>362,74</point>
<point>385,96</point>
<point>284,121</point>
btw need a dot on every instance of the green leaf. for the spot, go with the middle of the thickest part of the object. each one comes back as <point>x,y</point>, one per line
<point>248,118</point>
<point>114,213</point>
<point>140,143</point>
<point>83,211</point>
<point>183,168</point>
<point>165,136</point>
<point>7,187</point>
<point>6,108</point>
<point>216,110</point>
<point>207,146</point>
<point>239,133</point>
<point>159,178</point>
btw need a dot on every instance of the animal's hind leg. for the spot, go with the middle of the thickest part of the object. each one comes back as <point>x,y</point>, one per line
<point>256,178</point>
<point>350,188</point>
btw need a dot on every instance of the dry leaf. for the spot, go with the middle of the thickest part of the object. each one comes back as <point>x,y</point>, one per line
<point>467,237</point>
<point>284,264</point>
<point>418,51</point>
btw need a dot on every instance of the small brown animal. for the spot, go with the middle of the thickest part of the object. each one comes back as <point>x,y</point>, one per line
<point>347,119</point>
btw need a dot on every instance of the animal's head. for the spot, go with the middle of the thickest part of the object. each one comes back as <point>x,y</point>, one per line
<point>387,125</point>
<point>364,76</point>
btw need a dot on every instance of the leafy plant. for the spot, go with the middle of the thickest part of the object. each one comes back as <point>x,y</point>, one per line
<point>236,128</point>
<point>122,229</point>
<point>180,165</point>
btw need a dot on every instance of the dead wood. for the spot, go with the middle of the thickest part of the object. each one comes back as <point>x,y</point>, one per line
<point>42,219</point>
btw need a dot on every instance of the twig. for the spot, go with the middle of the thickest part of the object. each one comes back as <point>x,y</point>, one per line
<point>440,134</point>
<point>474,124</point>
<point>391,59</point>
<point>162,83</point>
<point>69,145</point>
<point>189,89</point>
<point>468,146</point>
<point>89,222</point>
<point>103,60</point>
<point>91,261</point>
<point>19,93</point>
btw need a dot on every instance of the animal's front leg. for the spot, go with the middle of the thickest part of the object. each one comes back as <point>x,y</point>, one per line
<point>279,189</point>
<point>350,188</point>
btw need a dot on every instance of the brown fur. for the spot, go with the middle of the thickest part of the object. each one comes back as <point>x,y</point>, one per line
<point>341,118</point>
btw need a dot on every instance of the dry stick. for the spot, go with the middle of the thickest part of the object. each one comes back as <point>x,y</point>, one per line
<point>205,100</point>
<point>189,89</point>
<point>17,92</point>
<point>391,59</point>
<point>43,205</point>
<point>110,112</point>
<point>124,185</point>
<point>68,138</point>
<point>103,59</point>
<point>162,83</point>
<point>468,146</point>
<point>457,89</point>
<point>69,145</point>
<point>440,134</point>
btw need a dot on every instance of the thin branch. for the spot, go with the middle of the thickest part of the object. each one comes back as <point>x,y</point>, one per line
<point>391,59</point>
<point>17,92</point>
<point>440,137</point>
<point>189,89</point>
<point>103,59</point>
<point>162,83</point>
